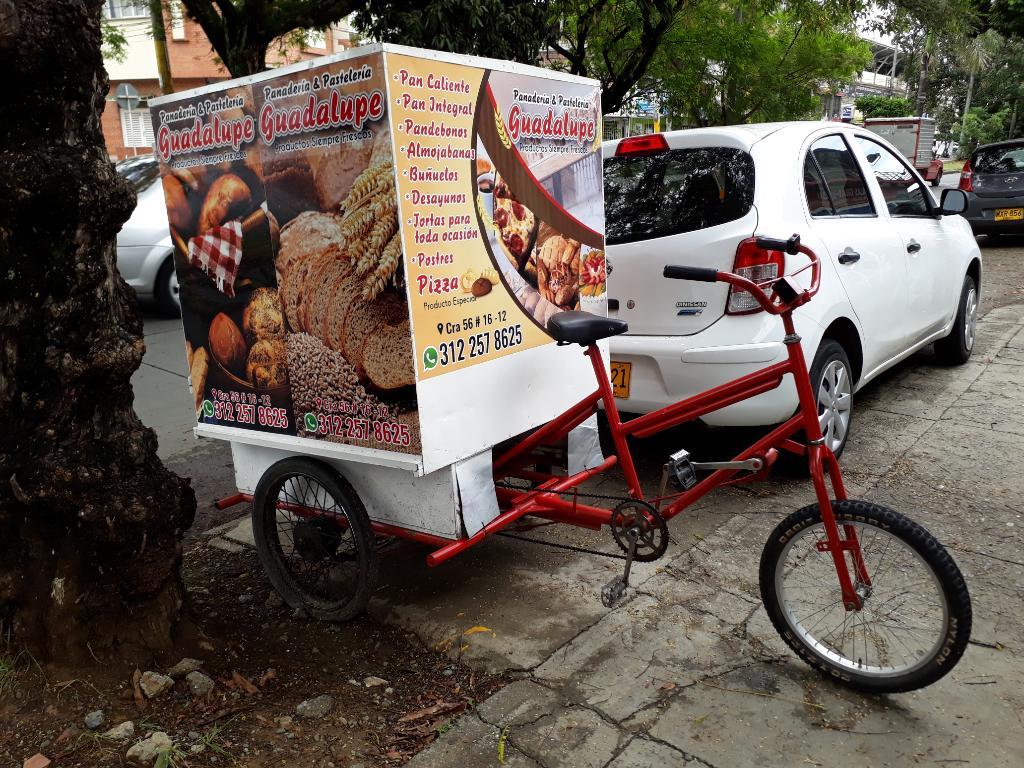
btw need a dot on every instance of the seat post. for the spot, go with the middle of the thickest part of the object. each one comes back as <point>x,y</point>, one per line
<point>611,411</point>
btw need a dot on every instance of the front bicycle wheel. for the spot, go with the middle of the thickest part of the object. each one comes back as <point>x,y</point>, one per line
<point>916,615</point>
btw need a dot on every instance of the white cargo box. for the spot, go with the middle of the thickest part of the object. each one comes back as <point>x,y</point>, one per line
<point>369,246</point>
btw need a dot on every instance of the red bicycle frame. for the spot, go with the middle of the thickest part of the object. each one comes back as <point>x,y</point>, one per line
<point>545,500</point>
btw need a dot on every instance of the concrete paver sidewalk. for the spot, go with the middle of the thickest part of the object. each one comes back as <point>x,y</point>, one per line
<point>690,671</point>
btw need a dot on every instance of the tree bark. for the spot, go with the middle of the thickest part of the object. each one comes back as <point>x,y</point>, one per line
<point>90,519</point>
<point>967,106</point>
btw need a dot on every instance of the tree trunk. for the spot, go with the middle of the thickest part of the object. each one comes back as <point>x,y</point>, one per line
<point>163,62</point>
<point>922,78</point>
<point>90,519</point>
<point>967,106</point>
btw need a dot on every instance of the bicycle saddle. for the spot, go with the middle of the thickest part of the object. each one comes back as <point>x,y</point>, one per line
<point>583,328</point>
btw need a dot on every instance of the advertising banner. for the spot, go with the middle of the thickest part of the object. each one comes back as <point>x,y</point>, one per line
<point>370,245</point>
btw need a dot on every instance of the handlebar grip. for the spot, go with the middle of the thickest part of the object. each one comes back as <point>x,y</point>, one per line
<point>701,274</point>
<point>790,246</point>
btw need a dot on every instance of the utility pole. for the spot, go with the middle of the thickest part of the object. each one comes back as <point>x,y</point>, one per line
<point>163,63</point>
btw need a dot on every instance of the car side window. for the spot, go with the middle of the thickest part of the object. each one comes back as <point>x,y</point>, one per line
<point>843,189</point>
<point>904,193</point>
<point>818,201</point>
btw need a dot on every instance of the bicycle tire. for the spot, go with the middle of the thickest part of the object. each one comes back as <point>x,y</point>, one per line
<point>954,630</point>
<point>347,512</point>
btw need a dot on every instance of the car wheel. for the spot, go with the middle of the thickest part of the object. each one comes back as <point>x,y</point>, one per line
<point>832,384</point>
<point>936,180</point>
<point>166,291</point>
<point>956,348</point>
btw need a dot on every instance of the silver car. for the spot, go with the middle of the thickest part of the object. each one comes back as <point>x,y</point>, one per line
<point>144,250</point>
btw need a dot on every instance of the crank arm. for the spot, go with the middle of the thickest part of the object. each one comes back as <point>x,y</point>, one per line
<point>751,465</point>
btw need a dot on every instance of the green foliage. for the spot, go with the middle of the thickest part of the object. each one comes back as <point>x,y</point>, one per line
<point>981,127</point>
<point>502,29</point>
<point>884,106</point>
<point>750,61</point>
<point>114,44</point>
<point>1007,16</point>
<point>615,41</point>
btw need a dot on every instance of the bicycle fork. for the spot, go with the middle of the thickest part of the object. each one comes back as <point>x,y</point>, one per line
<point>820,458</point>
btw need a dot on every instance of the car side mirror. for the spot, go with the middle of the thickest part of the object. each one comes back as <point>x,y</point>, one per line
<point>953,202</point>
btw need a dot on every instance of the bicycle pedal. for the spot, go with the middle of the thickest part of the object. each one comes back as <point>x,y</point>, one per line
<point>612,592</point>
<point>681,470</point>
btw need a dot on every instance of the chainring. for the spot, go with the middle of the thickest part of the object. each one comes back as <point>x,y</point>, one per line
<point>651,529</point>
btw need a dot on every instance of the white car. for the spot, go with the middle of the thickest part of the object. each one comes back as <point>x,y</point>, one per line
<point>144,252</point>
<point>897,274</point>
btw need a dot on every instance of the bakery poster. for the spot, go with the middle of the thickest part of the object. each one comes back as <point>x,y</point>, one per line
<point>327,167</point>
<point>224,238</point>
<point>370,245</point>
<point>500,195</point>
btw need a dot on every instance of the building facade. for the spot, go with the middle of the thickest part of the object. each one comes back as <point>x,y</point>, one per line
<point>193,62</point>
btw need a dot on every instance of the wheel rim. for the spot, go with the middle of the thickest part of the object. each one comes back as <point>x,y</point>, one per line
<point>312,539</point>
<point>835,400</point>
<point>904,618</point>
<point>174,289</point>
<point>970,318</point>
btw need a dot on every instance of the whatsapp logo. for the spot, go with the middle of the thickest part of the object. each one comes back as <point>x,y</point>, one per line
<point>429,358</point>
<point>207,408</point>
<point>310,420</point>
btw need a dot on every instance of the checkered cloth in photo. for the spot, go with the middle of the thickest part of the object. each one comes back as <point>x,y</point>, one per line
<point>219,253</point>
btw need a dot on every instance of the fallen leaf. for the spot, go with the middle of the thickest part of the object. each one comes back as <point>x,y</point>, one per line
<point>667,687</point>
<point>474,630</point>
<point>242,682</point>
<point>435,709</point>
<point>64,736</point>
<point>266,677</point>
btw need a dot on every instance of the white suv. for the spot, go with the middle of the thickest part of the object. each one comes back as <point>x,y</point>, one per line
<point>896,273</point>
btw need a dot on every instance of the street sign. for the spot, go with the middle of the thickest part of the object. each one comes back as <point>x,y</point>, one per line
<point>127,96</point>
<point>847,113</point>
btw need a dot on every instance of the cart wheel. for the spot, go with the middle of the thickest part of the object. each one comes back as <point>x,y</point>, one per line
<point>314,539</point>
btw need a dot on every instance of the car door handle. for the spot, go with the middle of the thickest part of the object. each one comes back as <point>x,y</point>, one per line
<point>913,246</point>
<point>849,256</point>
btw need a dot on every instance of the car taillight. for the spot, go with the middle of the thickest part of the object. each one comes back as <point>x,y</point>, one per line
<point>650,144</point>
<point>755,264</point>
<point>967,178</point>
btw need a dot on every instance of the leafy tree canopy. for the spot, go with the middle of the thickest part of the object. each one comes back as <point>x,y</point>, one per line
<point>749,61</point>
<point>884,106</point>
<point>502,29</point>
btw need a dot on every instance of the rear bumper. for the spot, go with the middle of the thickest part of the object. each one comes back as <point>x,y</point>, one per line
<point>981,214</point>
<point>667,369</point>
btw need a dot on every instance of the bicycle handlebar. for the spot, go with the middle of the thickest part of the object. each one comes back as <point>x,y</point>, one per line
<point>788,294</point>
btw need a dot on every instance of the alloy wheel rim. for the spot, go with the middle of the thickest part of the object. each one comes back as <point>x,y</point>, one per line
<point>835,400</point>
<point>970,318</point>
<point>175,289</point>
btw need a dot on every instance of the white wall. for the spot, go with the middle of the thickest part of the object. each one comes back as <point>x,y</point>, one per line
<point>140,61</point>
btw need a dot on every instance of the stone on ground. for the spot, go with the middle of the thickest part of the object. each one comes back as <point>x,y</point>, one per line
<point>146,751</point>
<point>153,684</point>
<point>313,709</point>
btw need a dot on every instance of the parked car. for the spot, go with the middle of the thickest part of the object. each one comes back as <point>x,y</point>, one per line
<point>144,250</point>
<point>898,271</point>
<point>993,179</point>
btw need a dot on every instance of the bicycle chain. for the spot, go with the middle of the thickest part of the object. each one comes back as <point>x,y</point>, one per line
<point>569,547</point>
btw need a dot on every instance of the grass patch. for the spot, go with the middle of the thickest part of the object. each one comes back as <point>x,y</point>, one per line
<point>953,166</point>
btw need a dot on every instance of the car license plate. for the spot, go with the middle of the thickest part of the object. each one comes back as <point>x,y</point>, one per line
<point>621,373</point>
<point>1009,214</point>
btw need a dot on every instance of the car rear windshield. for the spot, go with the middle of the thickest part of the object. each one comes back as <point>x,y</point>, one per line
<point>139,171</point>
<point>999,159</point>
<point>675,191</point>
